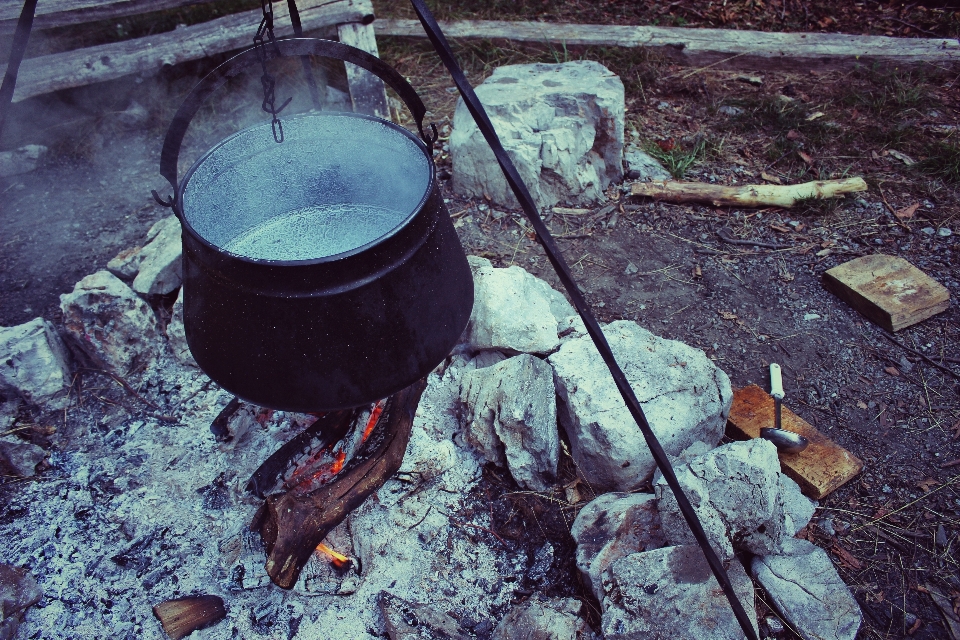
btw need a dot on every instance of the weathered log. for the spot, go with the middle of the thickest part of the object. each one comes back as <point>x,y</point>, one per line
<point>718,48</point>
<point>292,526</point>
<point>752,195</point>
<point>148,54</point>
<point>366,90</point>
<point>60,13</point>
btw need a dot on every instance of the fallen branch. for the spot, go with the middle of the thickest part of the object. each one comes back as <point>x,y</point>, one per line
<point>754,195</point>
<point>922,356</point>
<point>293,525</point>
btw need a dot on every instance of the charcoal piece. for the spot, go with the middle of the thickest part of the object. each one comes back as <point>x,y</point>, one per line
<point>414,621</point>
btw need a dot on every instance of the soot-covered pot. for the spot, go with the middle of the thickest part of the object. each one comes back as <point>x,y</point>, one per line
<point>323,272</point>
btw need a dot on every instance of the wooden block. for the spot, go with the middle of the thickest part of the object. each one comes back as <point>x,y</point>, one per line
<point>819,469</point>
<point>366,90</point>
<point>888,290</point>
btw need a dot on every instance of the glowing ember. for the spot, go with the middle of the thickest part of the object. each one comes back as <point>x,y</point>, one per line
<point>337,559</point>
<point>321,466</point>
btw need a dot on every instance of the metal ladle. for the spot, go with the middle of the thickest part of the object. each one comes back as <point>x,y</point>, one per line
<point>785,441</point>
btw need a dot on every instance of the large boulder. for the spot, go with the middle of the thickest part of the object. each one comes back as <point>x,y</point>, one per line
<point>684,396</point>
<point>161,263</point>
<point>806,589</point>
<point>510,413</point>
<point>671,593</point>
<point>735,492</point>
<point>34,364</point>
<point>561,124</point>
<point>513,310</point>
<point>611,527</point>
<point>111,324</point>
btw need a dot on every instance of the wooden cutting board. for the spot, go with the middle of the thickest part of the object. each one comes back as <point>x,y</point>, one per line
<point>819,469</point>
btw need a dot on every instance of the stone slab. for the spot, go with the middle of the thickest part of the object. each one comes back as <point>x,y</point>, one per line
<point>820,469</point>
<point>887,290</point>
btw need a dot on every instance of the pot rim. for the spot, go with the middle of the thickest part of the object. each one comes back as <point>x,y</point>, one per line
<point>417,210</point>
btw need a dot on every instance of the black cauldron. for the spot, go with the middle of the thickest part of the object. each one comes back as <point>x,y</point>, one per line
<point>324,272</point>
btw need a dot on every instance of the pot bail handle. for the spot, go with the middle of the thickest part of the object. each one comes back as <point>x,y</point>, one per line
<point>170,154</point>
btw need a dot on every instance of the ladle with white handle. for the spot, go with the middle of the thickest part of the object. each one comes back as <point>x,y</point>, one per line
<point>785,441</point>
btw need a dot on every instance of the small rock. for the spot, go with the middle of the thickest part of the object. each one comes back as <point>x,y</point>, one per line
<point>23,160</point>
<point>414,621</point>
<point>631,269</point>
<point>34,363</point>
<point>176,336</point>
<point>754,80</point>
<point>928,230</point>
<point>111,325</point>
<point>807,317</point>
<point>944,232</point>
<point>510,414</point>
<point>671,593</point>
<point>542,619</point>
<point>735,491</point>
<point>805,588</point>
<point>20,458</point>
<point>18,592</point>
<point>136,115</point>
<point>941,538</point>
<point>126,264</point>
<point>513,310</point>
<point>161,264</point>
<point>684,396</point>
<point>612,527</point>
<point>728,110</point>
<point>775,626</point>
<point>644,167</point>
<point>561,124</point>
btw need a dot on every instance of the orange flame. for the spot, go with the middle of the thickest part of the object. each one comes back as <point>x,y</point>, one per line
<point>336,559</point>
<point>374,417</point>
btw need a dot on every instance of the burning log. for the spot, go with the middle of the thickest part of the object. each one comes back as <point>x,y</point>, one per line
<point>294,524</point>
<point>754,195</point>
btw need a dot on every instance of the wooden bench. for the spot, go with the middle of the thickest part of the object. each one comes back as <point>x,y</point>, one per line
<point>147,55</point>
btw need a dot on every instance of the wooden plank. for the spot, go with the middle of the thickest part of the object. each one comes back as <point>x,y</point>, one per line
<point>721,48</point>
<point>147,55</point>
<point>366,90</point>
<point>60,13</point>
<point>820,469</point>
<point>887,290</point>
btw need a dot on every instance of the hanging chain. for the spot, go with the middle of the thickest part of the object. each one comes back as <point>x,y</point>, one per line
<point>268,81</point>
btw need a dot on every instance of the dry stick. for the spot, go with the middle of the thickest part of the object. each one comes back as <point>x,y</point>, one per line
<point>917,353</point>
<point>752,195</point>
<point>749,243</point>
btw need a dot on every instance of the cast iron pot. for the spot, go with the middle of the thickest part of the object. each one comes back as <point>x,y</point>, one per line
<point>324,272</point>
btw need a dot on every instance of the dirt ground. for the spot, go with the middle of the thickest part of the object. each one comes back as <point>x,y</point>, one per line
<point>893,532</point>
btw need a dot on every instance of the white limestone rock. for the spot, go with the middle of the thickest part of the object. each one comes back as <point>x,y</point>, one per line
<point>735,491</point>
<point>806,589</point>
<point>561,124</point>
<point>34,364</point>
<point>513,310</point>
<point>161,264</point>
<point>542,619</point>
<point>20,457</point>
<point>671,593</point>
<point>126,264</point>
<point>176,336</point>
<point>684,396</point>
<point>510,415</point>
<point>644,167</point>
<point>798,509</point>
<point>22,160</point>
<point>111,325</point>
<point>611,527</point>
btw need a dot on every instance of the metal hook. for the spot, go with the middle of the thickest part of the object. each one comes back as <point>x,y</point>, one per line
<point>163,203</point>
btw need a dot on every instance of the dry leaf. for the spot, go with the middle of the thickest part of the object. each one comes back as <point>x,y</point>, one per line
<point>813,116</point>
<point>667,145</point>
<point>927,484</point>
<point>806,157</point>
<point>862,404</point>
<point>781,228</point>
<point>892,371</point>
<point>956,430</point>
<point>907,212</point>
<point>820,254</point>
<point>697,272</point>
<point>916,625</point>
<point>792,135</point>
<point>727,315</point>
<point>846,558</point>
<point>902,157</point>
<point>769,178</point>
